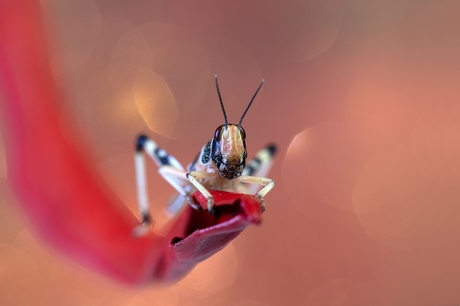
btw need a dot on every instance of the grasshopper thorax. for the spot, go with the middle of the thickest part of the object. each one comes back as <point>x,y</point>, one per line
<point>228,150</point>
<point>228,147</point>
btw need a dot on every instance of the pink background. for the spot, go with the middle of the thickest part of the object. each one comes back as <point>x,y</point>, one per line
<point>360,96</point>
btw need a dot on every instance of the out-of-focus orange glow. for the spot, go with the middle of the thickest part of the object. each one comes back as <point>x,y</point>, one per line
<point>155,102</point>
<point>362,98</point>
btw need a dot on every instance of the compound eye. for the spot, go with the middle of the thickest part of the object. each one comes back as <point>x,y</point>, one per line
<point>243,132</point>
<point>218,132</point>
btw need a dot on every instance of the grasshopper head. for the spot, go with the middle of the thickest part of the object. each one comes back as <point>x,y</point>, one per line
<point>229,150</point>
<point>228,145</point>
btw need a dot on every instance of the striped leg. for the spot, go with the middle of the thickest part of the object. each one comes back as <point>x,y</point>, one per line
<point>255,171</point>
<point>166,163</point>
<point>260,165</point>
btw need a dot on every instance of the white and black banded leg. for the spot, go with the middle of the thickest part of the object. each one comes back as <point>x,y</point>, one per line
<point>260,165</point>
<point>255,171</point>
<point>164,161</point>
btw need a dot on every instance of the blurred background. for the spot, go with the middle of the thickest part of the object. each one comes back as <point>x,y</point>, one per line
<point>361,97</point>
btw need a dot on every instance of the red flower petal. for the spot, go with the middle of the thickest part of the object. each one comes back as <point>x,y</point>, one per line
<point>206,233</point>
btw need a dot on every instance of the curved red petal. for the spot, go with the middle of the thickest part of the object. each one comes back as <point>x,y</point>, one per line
<point>208,233</point>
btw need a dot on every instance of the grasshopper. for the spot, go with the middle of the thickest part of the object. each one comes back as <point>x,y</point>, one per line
<point>220,165</point>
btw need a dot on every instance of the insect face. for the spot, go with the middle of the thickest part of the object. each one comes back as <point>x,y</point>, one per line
<point>229,150</point>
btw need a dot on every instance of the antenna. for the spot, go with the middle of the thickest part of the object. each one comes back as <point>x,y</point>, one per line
<point>221,103</point>
<point>250,102</point>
